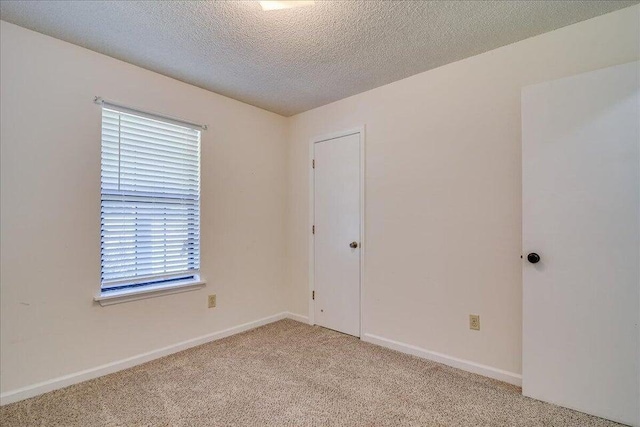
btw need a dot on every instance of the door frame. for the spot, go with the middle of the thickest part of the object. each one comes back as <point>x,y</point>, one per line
<point>360,130</point>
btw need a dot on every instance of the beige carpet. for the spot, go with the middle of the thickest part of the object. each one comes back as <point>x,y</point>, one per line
<point>290,374</point>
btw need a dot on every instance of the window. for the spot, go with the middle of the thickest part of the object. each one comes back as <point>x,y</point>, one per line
<point>150,201</point>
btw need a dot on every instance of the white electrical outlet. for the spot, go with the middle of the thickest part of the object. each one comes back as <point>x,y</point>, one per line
<point>474,322</point>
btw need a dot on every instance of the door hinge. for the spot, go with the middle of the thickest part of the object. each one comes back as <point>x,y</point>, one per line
<point>313,163</point>
<point>313,295</point>
<point>313,229</point>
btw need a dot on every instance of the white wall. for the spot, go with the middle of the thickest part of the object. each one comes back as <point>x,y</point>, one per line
<point>50,211</point>
<point>443,190</point>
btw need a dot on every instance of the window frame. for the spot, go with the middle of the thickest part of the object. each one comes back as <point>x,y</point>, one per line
<point>132,289</point>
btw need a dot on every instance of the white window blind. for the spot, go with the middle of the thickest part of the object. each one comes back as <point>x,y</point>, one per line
<point>150,193</point>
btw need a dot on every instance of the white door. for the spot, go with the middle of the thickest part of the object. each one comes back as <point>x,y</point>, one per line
<point>581,215</point>
<point>337,233</point>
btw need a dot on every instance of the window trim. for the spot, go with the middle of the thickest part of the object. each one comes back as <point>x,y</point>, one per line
<point>150,291</point>
<point>106,297</point>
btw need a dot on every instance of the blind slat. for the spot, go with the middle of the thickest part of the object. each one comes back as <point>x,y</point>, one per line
<point>129,249</point>
<point>133,149</point>
<point>151,128</point>
<point>177,143</point>
<point>113,159</point>
<point>140,185</point>
<point>129,263</point>
<point>110,167</point>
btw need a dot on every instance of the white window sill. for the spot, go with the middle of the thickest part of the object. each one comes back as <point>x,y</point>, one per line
<point>134,294</point>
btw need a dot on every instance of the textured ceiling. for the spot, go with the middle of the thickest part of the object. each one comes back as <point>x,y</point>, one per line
<point>289,61</point>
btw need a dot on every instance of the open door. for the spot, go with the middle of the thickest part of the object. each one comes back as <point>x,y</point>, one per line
<point>581,242</point>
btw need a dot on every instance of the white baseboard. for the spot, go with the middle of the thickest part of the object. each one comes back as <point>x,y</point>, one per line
<point>465,365</point>
<point>297,317</point>
<point>98,371</point>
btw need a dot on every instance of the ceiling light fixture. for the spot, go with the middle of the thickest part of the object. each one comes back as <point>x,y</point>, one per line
<point>278,5</point>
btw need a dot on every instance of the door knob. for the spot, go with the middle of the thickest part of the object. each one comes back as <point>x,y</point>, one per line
<point>533,258</point>
<point>353,245</point>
